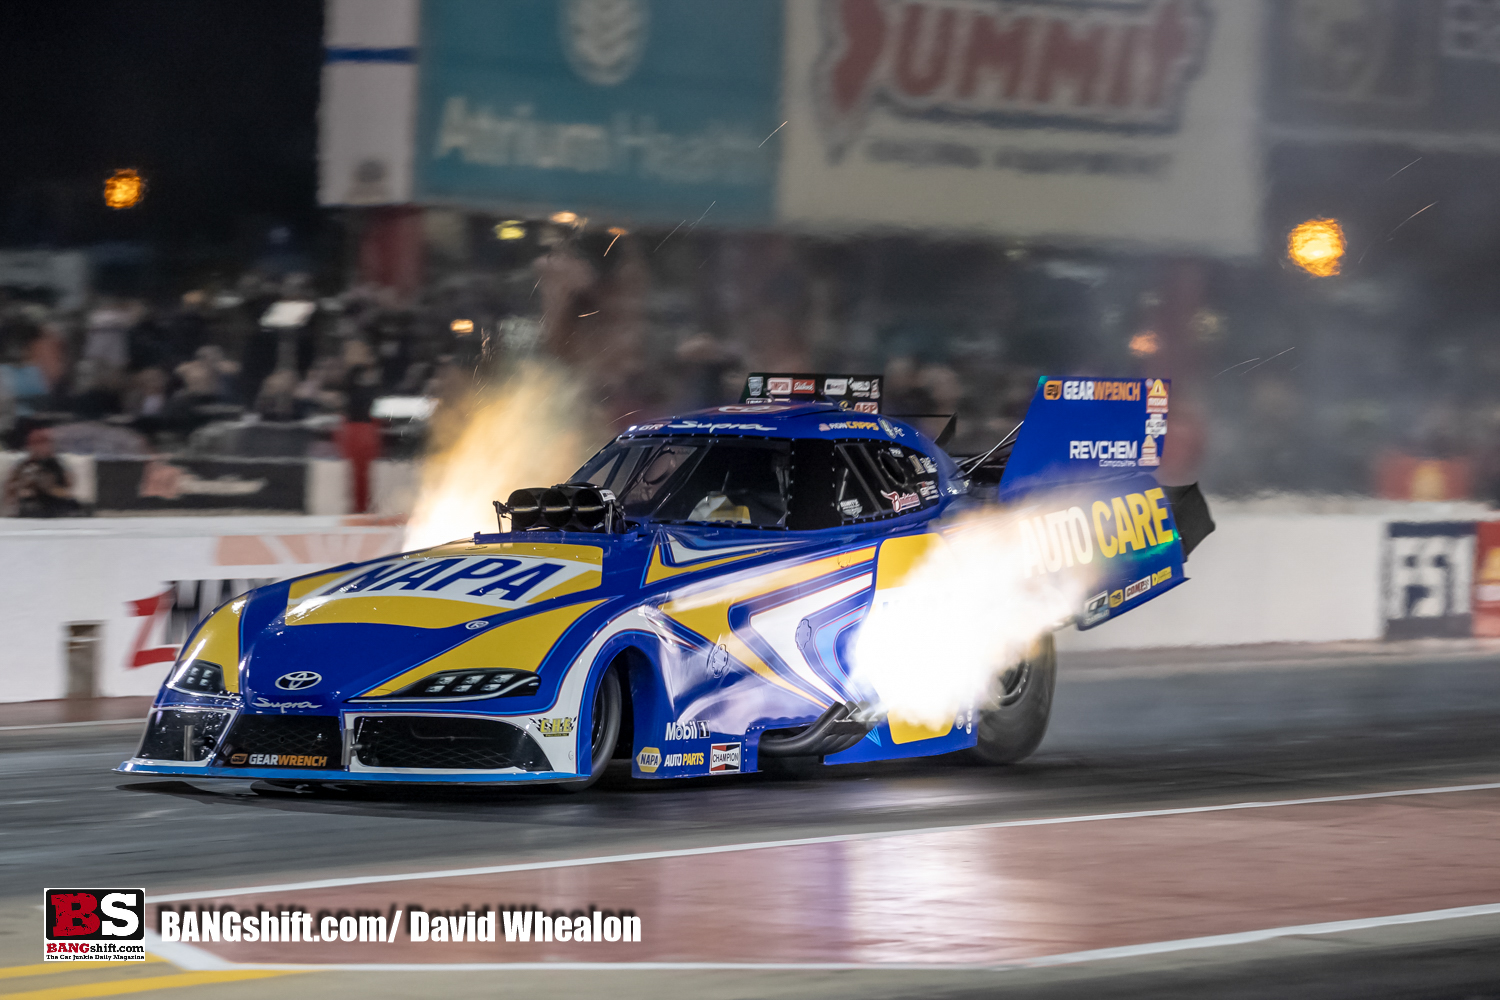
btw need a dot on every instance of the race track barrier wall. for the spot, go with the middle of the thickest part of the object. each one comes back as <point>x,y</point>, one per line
<point>113,572</point>
<point>1267,575</point>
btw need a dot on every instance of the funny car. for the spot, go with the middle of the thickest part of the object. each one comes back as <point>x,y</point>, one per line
<point>689,600</point>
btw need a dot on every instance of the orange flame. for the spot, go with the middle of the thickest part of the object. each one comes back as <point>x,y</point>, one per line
<point>1317,246</point>
<point>533,429</point>
<point>124,189</point>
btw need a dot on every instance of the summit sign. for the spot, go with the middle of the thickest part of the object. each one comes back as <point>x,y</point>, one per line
<point>1129,122</point>
<point>1122,66</point>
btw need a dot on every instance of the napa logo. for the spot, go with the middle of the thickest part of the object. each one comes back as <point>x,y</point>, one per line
<point>648,760</point>
<point>491,580</point>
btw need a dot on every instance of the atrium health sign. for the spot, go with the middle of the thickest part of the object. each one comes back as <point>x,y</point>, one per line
<point>639,110</point>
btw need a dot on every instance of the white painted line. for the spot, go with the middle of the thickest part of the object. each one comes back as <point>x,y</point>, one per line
<point>72,725</point>
<point>838,838</point>
<point>185,956</point>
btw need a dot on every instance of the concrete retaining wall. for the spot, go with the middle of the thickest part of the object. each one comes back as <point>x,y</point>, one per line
<point>1267,575</point>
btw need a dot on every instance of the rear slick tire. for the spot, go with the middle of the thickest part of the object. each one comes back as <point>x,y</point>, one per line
<point>1014,720</point>
<point>608,704</point>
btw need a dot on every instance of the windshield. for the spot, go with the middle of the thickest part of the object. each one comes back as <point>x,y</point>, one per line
<point>696,479</point>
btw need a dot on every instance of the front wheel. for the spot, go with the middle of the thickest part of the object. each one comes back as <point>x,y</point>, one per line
<point>1013,720</point>
<point>608,705</point>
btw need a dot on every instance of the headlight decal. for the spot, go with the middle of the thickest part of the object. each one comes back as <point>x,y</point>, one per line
<point>472,684</point>
<point>218,643</point>
<point>197,677</point>
<point>519,645</point>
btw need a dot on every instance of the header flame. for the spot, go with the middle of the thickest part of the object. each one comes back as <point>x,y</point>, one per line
<point>534,428</point>
<point>934,645</point>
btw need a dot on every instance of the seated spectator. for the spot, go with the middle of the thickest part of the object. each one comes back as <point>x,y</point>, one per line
<point>24,381</point>
<point>96,390</point>
<point>277,400</point>
<point>146,396</point>
<point>207,377</point>
<point>318,392</point>
<point>49,353</point>
<point>39,485</point>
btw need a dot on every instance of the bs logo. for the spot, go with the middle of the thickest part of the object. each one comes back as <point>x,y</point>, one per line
<point>95,914</point>
<point>1052,390</point>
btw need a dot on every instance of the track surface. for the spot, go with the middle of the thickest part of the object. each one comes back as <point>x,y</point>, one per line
<point>1143,738</point>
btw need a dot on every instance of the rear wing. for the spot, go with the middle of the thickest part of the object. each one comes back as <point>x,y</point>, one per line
<point>1079,429</point>
<point>1081,476</point>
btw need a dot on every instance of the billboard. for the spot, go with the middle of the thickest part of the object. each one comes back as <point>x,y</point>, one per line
<point>1120,122</point>
<point>1427,574</point>
<point>368,102</point>
<point>643,110</point>
<point>1420,72</point>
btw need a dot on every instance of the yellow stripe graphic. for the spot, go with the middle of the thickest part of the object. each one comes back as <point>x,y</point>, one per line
<point>389,609</point>
<point>587,580</point>
<point>43,968</point>
<point>707,613</point>
<point>659,570</point>
<point>121,986</point>
<point>542,550</point>
<point>301,588</point>
<point>518,645</point>
<point>218,641</point>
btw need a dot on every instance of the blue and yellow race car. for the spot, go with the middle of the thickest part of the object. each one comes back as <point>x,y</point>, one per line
<point>690,600</point>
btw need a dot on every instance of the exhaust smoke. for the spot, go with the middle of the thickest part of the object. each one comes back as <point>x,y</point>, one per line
<point>969,609</point>
<point>534,426</point>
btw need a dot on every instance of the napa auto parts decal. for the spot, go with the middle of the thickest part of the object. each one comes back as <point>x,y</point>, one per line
<point>1131,120</point>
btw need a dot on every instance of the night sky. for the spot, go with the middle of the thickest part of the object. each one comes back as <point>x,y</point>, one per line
<point>215,102</point>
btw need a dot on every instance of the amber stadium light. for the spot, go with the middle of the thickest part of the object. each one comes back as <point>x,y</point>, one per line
<point>124,189</point>
<point>510,229</point>
<point>1145,343</point>
<point>565,218</point>
<point>462,327</point>
<point>1317,246</point>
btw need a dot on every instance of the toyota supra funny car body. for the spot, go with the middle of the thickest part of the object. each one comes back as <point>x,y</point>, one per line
<point>690,600</point>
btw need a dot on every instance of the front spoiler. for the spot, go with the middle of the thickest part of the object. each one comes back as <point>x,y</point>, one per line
<point>347,777</point>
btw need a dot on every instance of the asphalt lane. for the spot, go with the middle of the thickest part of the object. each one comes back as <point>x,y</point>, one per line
<point>1193,735</point>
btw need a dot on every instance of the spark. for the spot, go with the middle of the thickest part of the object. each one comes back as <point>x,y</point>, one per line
<point>1411,164</point>
<point>612,244</point>
<point>1409,218</point>
<point>1271,358</point>
<point>669,236</point>
<point>1233,367</point>
<point>587,315</point>
<point>767,139</point>
<point>705,212</point>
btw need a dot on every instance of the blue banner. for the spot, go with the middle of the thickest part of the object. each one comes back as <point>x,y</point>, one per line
<point>630,110</point>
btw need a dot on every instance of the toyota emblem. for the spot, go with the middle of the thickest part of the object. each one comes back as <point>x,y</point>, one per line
<point>298,680</point>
